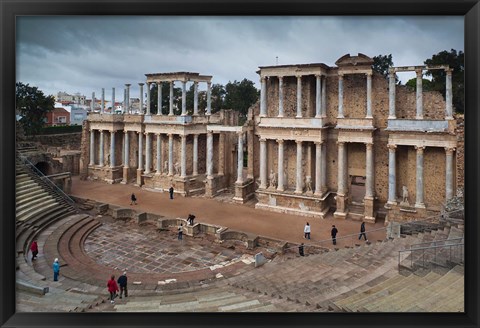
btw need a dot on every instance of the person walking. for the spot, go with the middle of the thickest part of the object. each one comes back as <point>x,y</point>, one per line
<point>171,192</point>
<point>56,269</point>
<point>112,288</point>
<point>300,249</point>
<point>133,199</point>
<point>306,231</point>
<point>362,232</point>
<point>180,232</point>
<point>122,282</point>
<point>34,249</point>
<point>334,234</point>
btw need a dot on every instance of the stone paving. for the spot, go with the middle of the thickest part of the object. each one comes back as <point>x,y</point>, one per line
<point>143,249</point>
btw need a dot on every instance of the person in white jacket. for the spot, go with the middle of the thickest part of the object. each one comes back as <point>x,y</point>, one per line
<point>306,231</point>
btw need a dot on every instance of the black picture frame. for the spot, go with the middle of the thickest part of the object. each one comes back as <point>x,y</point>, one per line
<point>470,9</point>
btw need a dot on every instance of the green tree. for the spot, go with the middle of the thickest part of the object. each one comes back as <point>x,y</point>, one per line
<point>426,84</point>
<point>455,60</point>
<point>382,63</point>
<point>177,99</point>
<point>33,106</point>
<point>240,96</point>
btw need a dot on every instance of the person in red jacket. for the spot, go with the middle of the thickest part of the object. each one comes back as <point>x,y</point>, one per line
<point>112,288</point>
<point>34,249</point>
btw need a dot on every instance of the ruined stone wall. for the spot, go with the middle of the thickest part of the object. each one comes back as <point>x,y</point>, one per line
<point>290,96</point>
<point>68,141</point>
<point>380,154</point>
<point>460,153</point>
<point>406,105</point>
<point>354,95</point>
<point>84,148</point>
<point>332,160</point>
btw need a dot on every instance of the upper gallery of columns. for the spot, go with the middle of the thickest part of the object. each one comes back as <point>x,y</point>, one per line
<point>293,70</point>
<point>360,64</point>
<point>178,76</point>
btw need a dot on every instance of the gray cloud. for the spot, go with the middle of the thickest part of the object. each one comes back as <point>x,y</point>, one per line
<point>85,53</point>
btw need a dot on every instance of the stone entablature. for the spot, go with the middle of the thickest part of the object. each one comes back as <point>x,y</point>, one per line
<point>288,123</point>
<point>177,76</point>
<point>297,134</point>
<point>355,123</point>
<point>293,70</point>
<point>423,140</point>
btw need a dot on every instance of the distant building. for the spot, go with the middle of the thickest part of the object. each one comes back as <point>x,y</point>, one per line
<point>67,99</point>
<point>78,114</point>
<point>58,116</point>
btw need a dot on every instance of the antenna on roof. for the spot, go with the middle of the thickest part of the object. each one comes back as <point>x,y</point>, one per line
<point>276,61</point>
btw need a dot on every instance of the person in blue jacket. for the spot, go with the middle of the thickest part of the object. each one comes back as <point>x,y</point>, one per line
<point>56,269</point>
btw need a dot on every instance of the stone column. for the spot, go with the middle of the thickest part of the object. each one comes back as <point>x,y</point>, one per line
<point>369,95</point>
<point>221,153</point>
<point>195,100</point>
<point>101,149</point>
<point>240,158</point>
<point>124,105</point>
<point>92,105</point>
<point>391,95</point>
<point>250,138</point>
<point>148,97</point>
<point>369,184</point>
<point>159,98</point>
<point>148,153</point>
<point>263,97</point>
<point>340,96</point>
<point>102,107</point>
<point>184,98</point>
<point>342,161</point>
<point>419,95</point>
<point>324,97</point>
<point>159,154</point>
<point>126,151</point>
<point>112,148</point>
<point>263,163</point>
<point>209,98</point>
<point>128,97</point>
<point>299,96</point>
<point>392,178</point>
<point>140,151</point>
<point>323,169</point>
<point>195,154</point>
<point>170,154</point>
<point>210,154</point>
<point>113,101</point>
<point>449,173</point>
<point>299,186</point>
<point>448,95</point>
<point>171,98</point>
<point>280,96</point>
<point>141,98</point>
<point>92,147</point>
<point>281,168</point>
<point>419,200</point>
<point>183,163</point>
<point>318,96</point>
<point>318,168</point>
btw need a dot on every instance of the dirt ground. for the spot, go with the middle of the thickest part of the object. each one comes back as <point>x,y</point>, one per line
<point>236,217</point>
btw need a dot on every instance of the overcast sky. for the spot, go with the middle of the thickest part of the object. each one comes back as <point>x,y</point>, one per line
<point>86,53</point>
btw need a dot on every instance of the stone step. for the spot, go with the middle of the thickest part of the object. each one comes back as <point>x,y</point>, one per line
<point>35,212</point>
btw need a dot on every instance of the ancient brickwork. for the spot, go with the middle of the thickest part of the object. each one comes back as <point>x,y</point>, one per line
<point>460,158</point>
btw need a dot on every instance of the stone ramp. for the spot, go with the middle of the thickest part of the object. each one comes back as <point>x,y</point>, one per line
<point>54,301</point>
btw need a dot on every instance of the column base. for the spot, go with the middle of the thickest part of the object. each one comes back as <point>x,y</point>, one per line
<point>341,200</point>
<point>340,215</point>
<point>125,175</point>
<point>419,205</point>
<point>139,181</point>
<point>369,207</point>
<point>390,204</point>
<point>280,189</point>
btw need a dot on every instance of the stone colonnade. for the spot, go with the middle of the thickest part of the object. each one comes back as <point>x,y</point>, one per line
<point>169,168</point>
<point>419,201</point>
<point>369,94</point>
<point>320,95</point>
<point>419,95</point>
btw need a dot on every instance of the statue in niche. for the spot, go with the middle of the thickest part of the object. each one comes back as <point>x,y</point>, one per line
<point>405,196</point>
<point>177,168</point>
<point>273,179</point>
<point>308,183</point>
<point>165,167</point>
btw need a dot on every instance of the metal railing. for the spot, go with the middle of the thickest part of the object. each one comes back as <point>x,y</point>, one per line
<point>48,183</point>
<point>447,255</point>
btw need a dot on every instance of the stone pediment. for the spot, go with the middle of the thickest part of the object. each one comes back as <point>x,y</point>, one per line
<point>360,60</point>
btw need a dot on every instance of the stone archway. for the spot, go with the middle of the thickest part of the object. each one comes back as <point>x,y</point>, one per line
<point>43,167</point>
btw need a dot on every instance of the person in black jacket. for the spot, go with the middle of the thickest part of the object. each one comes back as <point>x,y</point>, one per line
<point>170,191</point>
<point>122,283</point>
<point>362,232</point>
<point>133,199</point>
<point>190,219</point>
<point>334,234</point>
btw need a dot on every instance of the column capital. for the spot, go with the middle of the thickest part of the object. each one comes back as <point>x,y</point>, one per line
<point>419,72</point>
<point>141,84</point>
<point>319,143</point>
<point>340,75</point>
<point>369,145</point>
<point>298,142</point>
<point>449,71</point>
<point>148,83</point>
<point>391,73</point>
<point>392,147</point>
<point>183,136</point>
<point>280,141</point>
<point>127,85</point>
<point>298,76</point>
<point>209,83</point>
<point>318,75</point>
<point>240,133</point>
<point>210,133</point>
<point>341,143</point>
<point>263,139</point>
<point>170,135</point>
<point>280,78</point>
<point>146,133</point>
<point>369,74</point>
<point>450,150</point>
<point>420,149</point>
